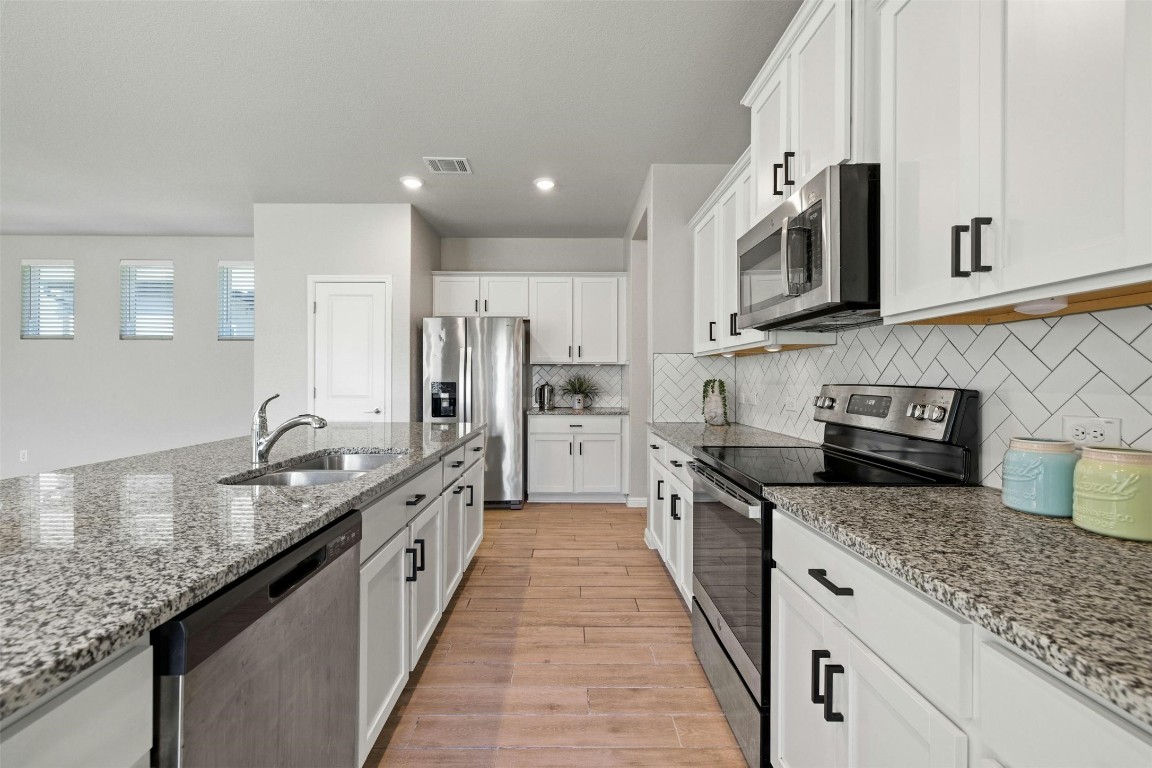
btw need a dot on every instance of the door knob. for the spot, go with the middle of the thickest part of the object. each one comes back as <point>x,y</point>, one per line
<point>374,410</point>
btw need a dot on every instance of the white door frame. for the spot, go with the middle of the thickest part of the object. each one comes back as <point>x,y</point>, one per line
<point>310,311</point>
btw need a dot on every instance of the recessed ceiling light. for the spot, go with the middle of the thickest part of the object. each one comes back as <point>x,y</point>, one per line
<point>544,183</point>
<point>411,182</point>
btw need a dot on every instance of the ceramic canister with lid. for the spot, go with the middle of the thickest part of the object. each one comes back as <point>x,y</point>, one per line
<point>1113,493</point>
<point>1037,476</point>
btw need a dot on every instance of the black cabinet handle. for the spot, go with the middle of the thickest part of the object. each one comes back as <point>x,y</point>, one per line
<point>654,447</point>
<point>776,168</point>
<point>675,514</point>
<point>477,305</point>
<point>957,229</point>
<point>569,447</point>
<point>485,305</point>
<point>830,713</point>
<point>569,350</point>
<point>979,221</point>
<point>712,330</point>
<point>676,464</point>
<point>817,697</point>
<point>576,426</point>
<point>416,499</point>
<point>581,447</point>
<point>579,350</point>
<point>459,490</point>
<point>732,326</point>
<point>411,576</point>
<point>659,488</point>
<point>477,449</point>
<point>821,576</point>
<point>471,496</point>
<point>420,543</point>
<point>787,173</point>
<point>457,464</point>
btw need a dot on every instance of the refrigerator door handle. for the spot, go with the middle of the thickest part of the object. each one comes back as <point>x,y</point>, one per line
<point>467,411</point>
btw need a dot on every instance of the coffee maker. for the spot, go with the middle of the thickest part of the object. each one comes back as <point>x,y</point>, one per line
<point>544,397</point>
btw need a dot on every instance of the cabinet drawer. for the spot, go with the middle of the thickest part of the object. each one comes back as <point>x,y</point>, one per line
<point>658,449</point>
<point>453,465</point>
<point>1029,719</point>
<point>473,450</point>
<point>924,643</point>
<point>574,425</point>
<point>383,518</point>
<point>677,462</point>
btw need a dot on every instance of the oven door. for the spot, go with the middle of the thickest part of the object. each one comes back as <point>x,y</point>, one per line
<point>788,261</point>
<point>728,571</point>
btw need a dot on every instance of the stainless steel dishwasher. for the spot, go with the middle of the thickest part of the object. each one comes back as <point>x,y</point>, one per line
<point>264,672</point>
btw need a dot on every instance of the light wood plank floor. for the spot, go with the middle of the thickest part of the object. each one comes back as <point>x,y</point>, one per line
<point>566,645</point>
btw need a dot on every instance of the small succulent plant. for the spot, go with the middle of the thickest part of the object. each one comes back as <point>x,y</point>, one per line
<point>580,384</point>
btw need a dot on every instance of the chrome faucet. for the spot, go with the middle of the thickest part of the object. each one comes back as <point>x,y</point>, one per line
<point>263,440</point>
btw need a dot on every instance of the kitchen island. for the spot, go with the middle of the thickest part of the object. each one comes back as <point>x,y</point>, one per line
<point>94,557</point>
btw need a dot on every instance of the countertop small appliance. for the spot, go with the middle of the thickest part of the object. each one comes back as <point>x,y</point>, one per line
<point>873,436</point>
<point>545,397</point>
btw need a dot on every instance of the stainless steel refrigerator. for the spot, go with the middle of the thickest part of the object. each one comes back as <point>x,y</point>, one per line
<point>476,370</point>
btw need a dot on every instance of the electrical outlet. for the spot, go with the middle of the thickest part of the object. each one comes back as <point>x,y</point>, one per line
<point>1092,431</point>
<point>23,455</point>
<point>790,405</point>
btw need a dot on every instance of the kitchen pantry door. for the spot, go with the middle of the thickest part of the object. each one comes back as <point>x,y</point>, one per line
<point>352,352</point>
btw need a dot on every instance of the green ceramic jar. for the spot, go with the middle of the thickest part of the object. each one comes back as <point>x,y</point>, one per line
<point>1113,493</point>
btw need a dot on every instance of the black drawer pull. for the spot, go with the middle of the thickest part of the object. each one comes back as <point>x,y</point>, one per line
<point>477,449</point>
<point>576,426</point>
<point>457,464</point>
<point>416,500</point>
<point>821,576</point>
<point>957,229</point>
<point>978,222</point>
<point>471,496</point>
<point>817,697</point>
<point>659,488</point>
<point>675,514</point>
<point>830,713</point>
<point>676,464</point>
<point>411,576</point>
<point>459,490</point>
<point>420,543</point>
<point>712,331</point>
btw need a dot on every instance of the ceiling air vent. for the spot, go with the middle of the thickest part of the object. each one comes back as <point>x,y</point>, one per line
<point>448,164</point>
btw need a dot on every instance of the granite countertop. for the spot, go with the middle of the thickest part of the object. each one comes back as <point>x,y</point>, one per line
<point>93,557</point>
<point>1079,602</point>
<point>574,412</point>
<point>687,434</point>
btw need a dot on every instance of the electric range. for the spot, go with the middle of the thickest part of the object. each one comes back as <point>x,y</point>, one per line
<point>873,436</point>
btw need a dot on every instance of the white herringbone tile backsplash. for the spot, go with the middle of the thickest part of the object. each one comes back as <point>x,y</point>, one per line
<point>678,382</point>
<point>610,378</point>
<point>1029,374</point>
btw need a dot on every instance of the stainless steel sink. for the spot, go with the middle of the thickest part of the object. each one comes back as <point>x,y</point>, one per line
<point>302,477</point>
<point>357,462</point>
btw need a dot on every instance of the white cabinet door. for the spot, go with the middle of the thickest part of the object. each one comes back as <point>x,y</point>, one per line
<point>598,464</point>
<point>426,541</point>
<point>733,221</point>
<point>455,295</point>
<point>706,319</point>
<point>819,64</point>
<point>550,319</point>
<point>930,105</point>
<point>887,723</point>
<point>454,499</point>
<point>383,636</point>
<point>504,296</point>
<point>1074,137</point>
<point>657,505</point>
<point>684,523</point>
<point>473,510</point>
<point>769,142</point>
<point>596,319</point>
<point>800,737</point>
<point>674,533</point>
<point>550,463</point>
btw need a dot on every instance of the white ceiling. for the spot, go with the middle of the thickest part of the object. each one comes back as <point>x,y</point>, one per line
<point>174,117</point>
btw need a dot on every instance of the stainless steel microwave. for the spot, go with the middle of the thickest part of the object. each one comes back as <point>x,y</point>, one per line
<point>813,263</point>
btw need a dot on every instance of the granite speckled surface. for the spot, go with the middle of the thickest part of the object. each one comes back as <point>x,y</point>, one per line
<point>93,557</point>
<point>1078,602</point>
<point>574,412</point>
<point>686,434</point>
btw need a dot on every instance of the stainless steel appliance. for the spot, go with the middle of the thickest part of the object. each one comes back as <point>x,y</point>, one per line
<point>813,263</point>
<point>476,370</point>
<point>874,435</point>
<point>265,672</point>
<point>545,397</point>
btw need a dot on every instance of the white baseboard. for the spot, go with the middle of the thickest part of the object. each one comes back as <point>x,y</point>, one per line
<point>577,498</point>
<point>649,539</point>
<point>638,501</point>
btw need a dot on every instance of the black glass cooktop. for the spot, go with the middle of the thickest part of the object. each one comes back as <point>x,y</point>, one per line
<point>802,465</point>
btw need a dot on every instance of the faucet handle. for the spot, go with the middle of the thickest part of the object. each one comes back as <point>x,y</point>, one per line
<point>260,418</point>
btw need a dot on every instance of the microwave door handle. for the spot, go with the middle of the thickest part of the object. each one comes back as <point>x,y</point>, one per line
<point>786,261</point>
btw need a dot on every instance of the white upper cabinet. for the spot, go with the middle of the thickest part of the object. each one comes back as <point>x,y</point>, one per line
<point>801,103</point>
<point>596,321</point>
<point>1015,153</point>
<point>706,326</point>
<point>456,295</point>
<point>504,295</point>
<point>734,213</point>
<point>577,319</point>
<point>550,319</point>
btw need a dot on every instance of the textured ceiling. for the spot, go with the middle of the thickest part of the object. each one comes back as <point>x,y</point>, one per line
<point>174,117</point>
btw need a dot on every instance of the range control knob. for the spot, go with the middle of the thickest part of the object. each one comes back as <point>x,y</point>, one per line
<point>816,401</point>
<point>825,402</point>
<point>916,411</point>
<point>937,413</point>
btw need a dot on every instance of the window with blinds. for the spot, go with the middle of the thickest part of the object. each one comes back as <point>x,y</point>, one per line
<point>146,299</point>
<point>236,294</point>
<point>48,299</point>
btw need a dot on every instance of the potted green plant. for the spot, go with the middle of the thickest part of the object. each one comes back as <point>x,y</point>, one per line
<point>714,402</point>
<point>581,388</point>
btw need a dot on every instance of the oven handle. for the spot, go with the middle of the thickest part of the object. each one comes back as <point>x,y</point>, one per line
<point>750,509</point>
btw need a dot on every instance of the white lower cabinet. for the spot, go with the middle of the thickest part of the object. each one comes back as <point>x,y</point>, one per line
<point>454,497</point>
<point>598,464</point>
<point>657,506</point>
<point>425,543</point>
<point>473,509</point>
<point>384,663</point>
<point>576,455</point>
<point>670,502</point>
<point>550,465</point>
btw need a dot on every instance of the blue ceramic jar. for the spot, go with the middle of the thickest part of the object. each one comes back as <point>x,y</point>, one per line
<point>1037,476</point>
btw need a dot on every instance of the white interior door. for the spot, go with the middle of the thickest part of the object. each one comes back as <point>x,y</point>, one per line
<point>352,357</point>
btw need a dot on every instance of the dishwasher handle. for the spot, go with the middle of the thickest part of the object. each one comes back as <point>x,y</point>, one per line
<point>304,570</point>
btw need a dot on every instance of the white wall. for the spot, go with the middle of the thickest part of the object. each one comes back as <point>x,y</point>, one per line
<point>293,241</point>
<point>531,254</point>
<point>425,261</point>
<point>96,397</point>
<point>640,371</point>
